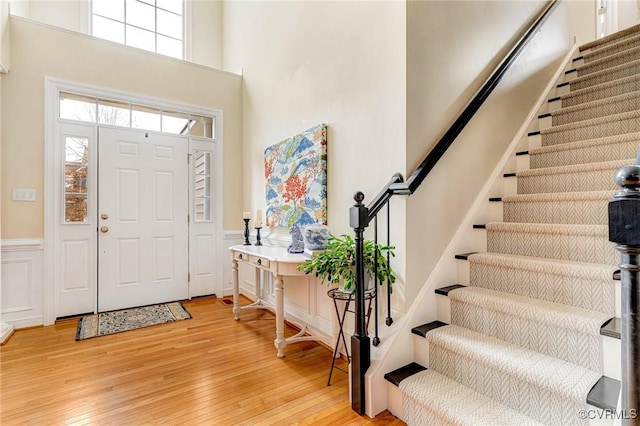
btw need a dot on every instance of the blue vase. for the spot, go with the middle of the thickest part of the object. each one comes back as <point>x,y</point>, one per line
<point>316,236</point>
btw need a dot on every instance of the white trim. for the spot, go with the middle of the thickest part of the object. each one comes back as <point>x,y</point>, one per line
<point>51,235</point>
<point>22,244</point>
<point>6,330</point>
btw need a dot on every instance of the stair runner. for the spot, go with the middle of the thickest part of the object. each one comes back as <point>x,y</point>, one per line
<point>524,344</point>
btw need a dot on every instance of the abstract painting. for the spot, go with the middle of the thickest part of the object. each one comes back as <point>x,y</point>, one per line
<point>295,172</point>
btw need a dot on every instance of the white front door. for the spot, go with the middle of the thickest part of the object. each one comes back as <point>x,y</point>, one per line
<point>143,234</point>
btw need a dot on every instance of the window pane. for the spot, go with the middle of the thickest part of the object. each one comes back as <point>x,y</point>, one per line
<point>76,150</point>
<point>141,39</point>
<point>169,46</point>
<point>75,208</point>
<point>202,126</point>
<point>108,29</point>
<point>141,15</point>
<point>143,117</point>
<point>113,9</point>
<point>114,113</point>
<point>174,6</point>
<point>75,179</point>
<point>169,24</point>
<point>77,107</point>
<point>175,122</point>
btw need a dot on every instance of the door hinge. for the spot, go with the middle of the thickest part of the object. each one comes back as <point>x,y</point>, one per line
<point>188,158</point>
<point>189,276</point>
<point>188,218</point>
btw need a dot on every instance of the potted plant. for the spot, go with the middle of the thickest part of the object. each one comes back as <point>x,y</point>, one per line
<point>337,264</point>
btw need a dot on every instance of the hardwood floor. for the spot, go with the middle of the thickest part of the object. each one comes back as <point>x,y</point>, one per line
<point>208,370</point>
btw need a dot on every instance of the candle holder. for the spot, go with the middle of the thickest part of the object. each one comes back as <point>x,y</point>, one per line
<point>258,228</point>
<point>246,232</point>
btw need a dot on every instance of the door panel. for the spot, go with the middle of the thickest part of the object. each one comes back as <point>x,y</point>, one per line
<point>142,219</point>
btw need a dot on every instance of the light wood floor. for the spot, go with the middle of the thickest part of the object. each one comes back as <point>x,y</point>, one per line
<point>206,370</point>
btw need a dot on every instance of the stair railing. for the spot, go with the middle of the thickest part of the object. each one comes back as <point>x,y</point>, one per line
<point>360,216</point>
<point>624,230</point>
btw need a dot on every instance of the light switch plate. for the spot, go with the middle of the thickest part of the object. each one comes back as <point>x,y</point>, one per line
<point>24,194</point>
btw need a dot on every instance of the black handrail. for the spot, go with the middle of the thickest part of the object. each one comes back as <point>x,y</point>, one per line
<point>361,215</point>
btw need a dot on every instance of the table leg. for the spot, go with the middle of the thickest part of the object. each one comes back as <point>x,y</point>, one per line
<point>280,341</point>
<point>236,288</point>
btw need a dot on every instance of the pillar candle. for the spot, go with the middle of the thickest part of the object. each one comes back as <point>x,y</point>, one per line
<point>246,215</point>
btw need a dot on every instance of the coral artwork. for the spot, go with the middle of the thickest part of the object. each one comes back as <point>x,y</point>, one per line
<point>295,172</point>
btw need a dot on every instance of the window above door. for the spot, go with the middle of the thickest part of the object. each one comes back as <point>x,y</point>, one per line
<point>153,25</point>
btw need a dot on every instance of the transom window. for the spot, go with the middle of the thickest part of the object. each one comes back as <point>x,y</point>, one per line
<point>120,113</point>
<point>153,25</point>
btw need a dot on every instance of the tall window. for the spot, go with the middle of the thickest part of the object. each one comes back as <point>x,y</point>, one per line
<point>154,25</point>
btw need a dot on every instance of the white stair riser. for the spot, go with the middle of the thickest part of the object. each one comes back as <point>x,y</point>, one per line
<point>421,350</point>
<point>394,400</point>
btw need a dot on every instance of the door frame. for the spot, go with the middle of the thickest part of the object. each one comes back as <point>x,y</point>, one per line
<point>53,185</point>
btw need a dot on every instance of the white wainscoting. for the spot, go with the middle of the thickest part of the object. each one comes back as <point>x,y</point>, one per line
<point>22,282</point>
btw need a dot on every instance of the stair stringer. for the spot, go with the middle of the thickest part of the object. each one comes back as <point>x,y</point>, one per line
<point>424,308</point>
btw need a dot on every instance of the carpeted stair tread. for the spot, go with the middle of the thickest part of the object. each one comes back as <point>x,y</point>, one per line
<point>579,243</point>
<point>571,178</point>
<point>559,207</point>
<point>604,149</point>
<point>620,45</point>
<point>562,331</point>
<point>545,388</point>
<point>611,38</point>
<point>627,69</point>
<point>581,284</point>
<point>595,109</point>
<point>601,91</point>
<point>616,124</point>
<point>442,401</point>
<point>609,61</point>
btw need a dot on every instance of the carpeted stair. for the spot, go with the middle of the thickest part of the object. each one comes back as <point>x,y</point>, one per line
<point>525,342</point>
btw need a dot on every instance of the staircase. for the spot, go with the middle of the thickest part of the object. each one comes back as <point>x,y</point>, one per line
<point>532,337</point>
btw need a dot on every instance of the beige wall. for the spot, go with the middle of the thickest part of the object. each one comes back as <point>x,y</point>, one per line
<point>39,50</point>
<point>451,49</point>
<point>304,63</point>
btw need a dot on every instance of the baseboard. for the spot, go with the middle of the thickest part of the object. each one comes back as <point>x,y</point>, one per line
<point>6,331</point>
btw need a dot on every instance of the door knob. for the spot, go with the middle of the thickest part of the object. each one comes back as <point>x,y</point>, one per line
<point>104,216</point>
<point>104,229</point>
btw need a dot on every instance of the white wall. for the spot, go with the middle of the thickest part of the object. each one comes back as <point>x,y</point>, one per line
<point>628,13</point>
<point>203,35</point>
<point>451,49</point>
<point>304,63</point>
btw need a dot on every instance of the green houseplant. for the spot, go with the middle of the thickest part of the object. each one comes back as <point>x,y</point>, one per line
<point>337,264</point>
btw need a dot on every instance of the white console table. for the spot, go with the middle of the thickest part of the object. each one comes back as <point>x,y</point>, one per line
<point>279,263</point>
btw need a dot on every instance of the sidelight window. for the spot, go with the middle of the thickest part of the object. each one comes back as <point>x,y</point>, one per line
<point>75,179</point>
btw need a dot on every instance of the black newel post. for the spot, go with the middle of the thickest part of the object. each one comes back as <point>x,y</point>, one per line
<point>360,343</point>
<point>624,229</point>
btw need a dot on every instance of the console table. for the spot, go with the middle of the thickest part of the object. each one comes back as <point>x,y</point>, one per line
<point>279,263</point>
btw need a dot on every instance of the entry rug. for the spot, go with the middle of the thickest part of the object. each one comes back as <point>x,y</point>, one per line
<point>129,319</point>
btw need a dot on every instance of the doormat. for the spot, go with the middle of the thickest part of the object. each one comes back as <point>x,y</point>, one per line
<point>129,319</point>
